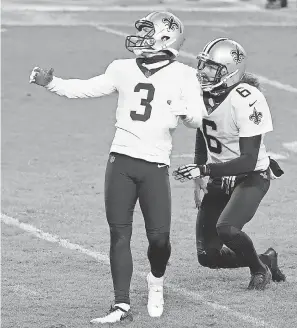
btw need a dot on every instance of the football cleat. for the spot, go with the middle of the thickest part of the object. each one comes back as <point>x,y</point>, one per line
<point>115,314</point>
<point>260,280</point>
<point>155,296</point>
<point>270,259</point>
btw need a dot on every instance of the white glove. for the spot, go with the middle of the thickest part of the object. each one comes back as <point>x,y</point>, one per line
<point>200,189</point>
<point>41,77</point>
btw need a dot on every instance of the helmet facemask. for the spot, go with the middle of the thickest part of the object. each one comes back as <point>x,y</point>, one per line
<point>158,33</point>
<point>145,41</point>
<point>212,76</point>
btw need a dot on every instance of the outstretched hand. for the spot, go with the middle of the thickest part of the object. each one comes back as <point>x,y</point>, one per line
<point>41,77</point>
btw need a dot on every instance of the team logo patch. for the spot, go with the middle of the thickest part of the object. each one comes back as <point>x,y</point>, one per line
<point>171,24</point>
<point>237,55</point>
<point>111,158</point>
<point>256,117</point>
<point>264,175</point>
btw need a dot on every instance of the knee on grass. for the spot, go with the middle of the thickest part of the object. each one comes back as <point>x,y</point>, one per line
<point>209,258</point>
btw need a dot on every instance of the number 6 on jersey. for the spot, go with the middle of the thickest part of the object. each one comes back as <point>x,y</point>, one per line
<point>212,142</point>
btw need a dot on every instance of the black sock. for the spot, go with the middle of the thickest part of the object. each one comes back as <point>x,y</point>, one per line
<point>121,262</point>
<point>158,254</point>
<point>244,249</point>
<point>228,259</point>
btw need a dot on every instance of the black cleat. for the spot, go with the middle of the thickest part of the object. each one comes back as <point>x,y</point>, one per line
<point>270,259</point>
<point>260,280</point>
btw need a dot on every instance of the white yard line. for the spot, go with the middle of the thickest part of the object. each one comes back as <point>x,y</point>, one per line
<point>185,54</point>
<point>104,259</point>
<point>61,8</point>
<point>35,21</point>
<point>292,146</point>
<point>242,23</point>
<point>275,156</point>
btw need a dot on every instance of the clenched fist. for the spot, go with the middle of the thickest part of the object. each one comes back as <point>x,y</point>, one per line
<point>41,77</point>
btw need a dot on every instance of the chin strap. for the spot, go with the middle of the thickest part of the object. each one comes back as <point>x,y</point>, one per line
<point>210,88</point>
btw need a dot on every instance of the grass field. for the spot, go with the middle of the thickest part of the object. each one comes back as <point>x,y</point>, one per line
<point>55,238</point>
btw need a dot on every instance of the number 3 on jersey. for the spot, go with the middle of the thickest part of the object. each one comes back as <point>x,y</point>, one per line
<point>144,102</point>
<point>212,142</point>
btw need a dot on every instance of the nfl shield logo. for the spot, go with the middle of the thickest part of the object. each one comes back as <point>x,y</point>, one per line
<point>147,73</point>
<point>111,159</point>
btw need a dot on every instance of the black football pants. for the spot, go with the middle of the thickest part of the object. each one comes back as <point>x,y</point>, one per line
<point>127,180</point>
<point>220,221</point>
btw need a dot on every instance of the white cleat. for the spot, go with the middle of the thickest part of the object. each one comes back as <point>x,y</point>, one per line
<point>117,313</point>
<point>155,302</point>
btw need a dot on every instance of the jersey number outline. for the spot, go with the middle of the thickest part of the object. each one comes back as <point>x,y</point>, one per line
<point>218,146</point>
<point>146,102</point>
<point>243,92</point>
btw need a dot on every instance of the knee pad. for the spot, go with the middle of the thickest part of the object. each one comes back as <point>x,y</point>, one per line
<point>209,259</point>
<point>227,233</point>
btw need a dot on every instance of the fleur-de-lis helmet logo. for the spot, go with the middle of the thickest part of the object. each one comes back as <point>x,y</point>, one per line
<point>171,24</point>
<point>238,56</point>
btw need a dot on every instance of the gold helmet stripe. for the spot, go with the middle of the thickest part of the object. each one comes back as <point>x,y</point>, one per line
<point>208,47</point>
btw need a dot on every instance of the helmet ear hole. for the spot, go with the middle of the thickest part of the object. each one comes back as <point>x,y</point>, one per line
<point>165,38</point>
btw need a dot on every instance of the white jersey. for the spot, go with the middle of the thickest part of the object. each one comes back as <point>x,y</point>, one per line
<point>244,113</point>
<point>148,105</point>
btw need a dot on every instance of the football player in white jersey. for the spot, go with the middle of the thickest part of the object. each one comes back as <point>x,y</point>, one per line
<point>154,92</point>
<point>230,151</point>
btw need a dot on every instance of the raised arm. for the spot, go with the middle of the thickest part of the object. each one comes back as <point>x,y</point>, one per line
<point>97,86</point>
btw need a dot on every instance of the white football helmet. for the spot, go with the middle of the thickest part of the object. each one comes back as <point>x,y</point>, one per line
<point>157,32</point>
<point>221,64</point>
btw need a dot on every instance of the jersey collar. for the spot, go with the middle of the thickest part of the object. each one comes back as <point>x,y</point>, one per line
<point>149,72</point>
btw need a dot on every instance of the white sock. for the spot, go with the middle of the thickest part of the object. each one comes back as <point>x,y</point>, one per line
<point>123,306</point>
<point>156,281</point>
